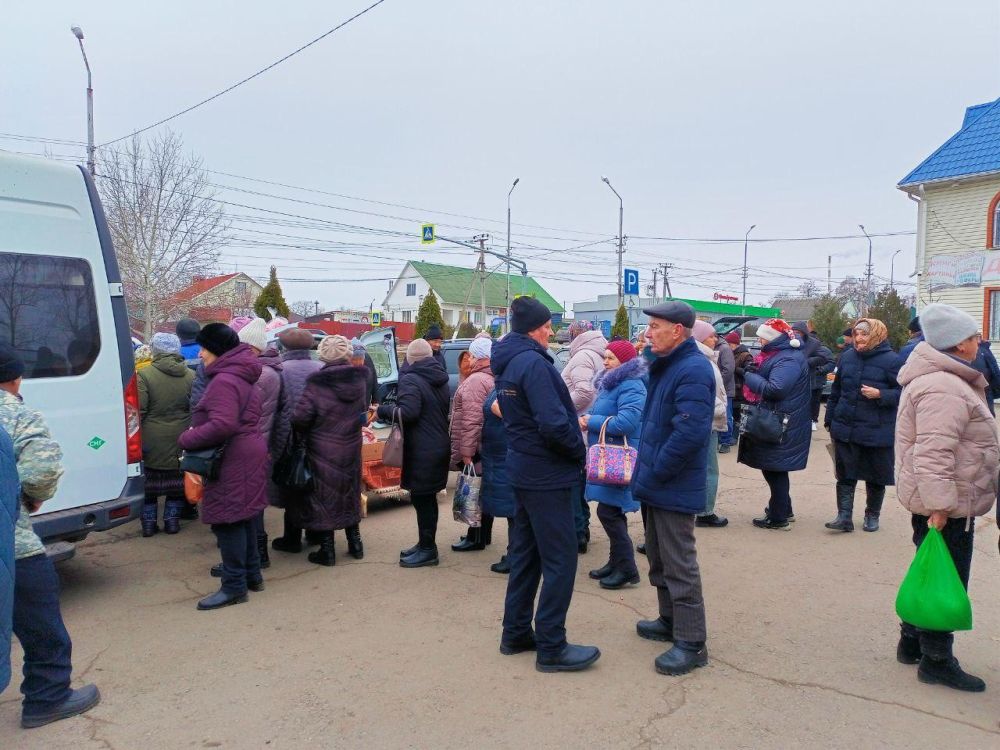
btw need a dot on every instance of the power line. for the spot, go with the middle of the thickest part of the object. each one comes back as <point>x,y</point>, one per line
<point>248,78</point>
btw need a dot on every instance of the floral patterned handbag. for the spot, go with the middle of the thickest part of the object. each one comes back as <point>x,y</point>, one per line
<point>612,465</point>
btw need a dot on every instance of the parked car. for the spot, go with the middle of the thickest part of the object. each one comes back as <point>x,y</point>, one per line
<point>452,349</point>
<point>68,321</point>
<point>560,356</point>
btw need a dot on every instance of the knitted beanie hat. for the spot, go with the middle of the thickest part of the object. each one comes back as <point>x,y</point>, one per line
<point>335,349</point>
<point>165,343</point>
<point>701,330</point>
<point>253,333</point>
<point>481,347</point>
<point>418,350</point>
<point>945,326</point>
<point>623,350</point>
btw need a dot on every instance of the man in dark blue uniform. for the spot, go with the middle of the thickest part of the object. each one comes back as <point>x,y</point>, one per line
<point>670,479</point>
<point>544,460</point>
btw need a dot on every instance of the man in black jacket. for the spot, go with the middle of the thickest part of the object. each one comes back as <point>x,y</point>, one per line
<point>435,339</point>
<point>820,361</point>
<point>543,462</point>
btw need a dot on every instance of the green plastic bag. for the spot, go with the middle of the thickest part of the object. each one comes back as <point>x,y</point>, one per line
<point>931,596</point>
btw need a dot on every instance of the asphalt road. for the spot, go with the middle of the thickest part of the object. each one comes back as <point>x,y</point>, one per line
<point>366,654</point>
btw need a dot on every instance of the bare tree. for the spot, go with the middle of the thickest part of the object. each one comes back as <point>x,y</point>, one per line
<point>303,307</point>
<point>809,288</point>
<point>166,227</point>
<point>852,289</point>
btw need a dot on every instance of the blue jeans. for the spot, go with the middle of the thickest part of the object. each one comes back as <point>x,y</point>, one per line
<point>712,478</point>
<point>38,625</point>
<point>542,548</point>
<point>728,437</point>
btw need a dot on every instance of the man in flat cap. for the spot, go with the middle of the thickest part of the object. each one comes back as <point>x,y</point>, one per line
<point>670,481</point>
<point>543,462</point>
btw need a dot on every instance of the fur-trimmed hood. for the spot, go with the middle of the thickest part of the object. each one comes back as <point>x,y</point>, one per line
<point>608,380</point>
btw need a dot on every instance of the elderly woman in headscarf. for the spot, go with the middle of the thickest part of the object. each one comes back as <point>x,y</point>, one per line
<point>467,430</point>
<point>328,417</point>
<point>861,418</point>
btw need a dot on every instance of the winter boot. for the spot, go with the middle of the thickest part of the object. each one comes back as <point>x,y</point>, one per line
<point>314,538</point>
<point>149,511</point>
<point>502,567</point>
<point>408,551</point>
<point>291,540</point>
<point>873,505</point>
<point>426,554</point>
<point>948,672</point>
<point>325,555</point>
<point>172,515</point>
<point>471,542</point>
<point>265,558</point>
<point>355,547</point>
<point>845,508</point>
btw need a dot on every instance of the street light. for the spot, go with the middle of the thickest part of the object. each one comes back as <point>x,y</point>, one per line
<point>746,241</point>
<point>516,180</point>
<point>892,270</point>
<point>621,239</point>
<point>78,33</point>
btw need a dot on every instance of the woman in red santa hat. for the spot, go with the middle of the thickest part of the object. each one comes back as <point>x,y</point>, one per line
<point>777,386</point>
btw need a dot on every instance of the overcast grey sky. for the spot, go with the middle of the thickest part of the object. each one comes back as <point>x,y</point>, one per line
<point>707,117</point>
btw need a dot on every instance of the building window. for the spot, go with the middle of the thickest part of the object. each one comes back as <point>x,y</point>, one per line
<point>411,290</point>
<point>241,287</point>
<point>991,324</point>
<point>407,316</point>
<point>993,223</point>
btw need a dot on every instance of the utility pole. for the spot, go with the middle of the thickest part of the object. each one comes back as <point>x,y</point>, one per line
<point>665,267</point>
<point>654,287</point>
<point>892,270</point>
<point>829,274</point>
<point>746,242</point>
<point>621,240</point>
<point>91,149</point>
<point>481,269</point>
<point>868,283</point>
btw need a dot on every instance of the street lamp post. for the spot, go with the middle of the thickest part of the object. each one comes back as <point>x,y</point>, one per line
<point>516,180</point>
<point>892,270</point>
<point>78,33</point>
<point>621,240</point>
<point>868,284</point>
<point>746,242</point>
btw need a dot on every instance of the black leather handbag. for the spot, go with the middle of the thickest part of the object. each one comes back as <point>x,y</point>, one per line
<point>763,424</point>
<point>205,463</point>
<point>292,470</point>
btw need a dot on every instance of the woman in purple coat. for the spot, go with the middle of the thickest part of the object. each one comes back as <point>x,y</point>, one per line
<point>329,416</point>
<point>297,365</point>
<point>228,416</point>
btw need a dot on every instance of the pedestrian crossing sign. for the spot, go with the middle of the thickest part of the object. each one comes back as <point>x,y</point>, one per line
<point>376,319</point>
<point>427,234</point>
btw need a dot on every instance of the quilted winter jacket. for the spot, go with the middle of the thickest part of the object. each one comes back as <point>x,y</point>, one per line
<point>269,385</point>
<point>621,397</point>
<point>165,409</point>
<point>10,502</point>
<point>586,359</point>
<point>784,382</point>
<point>467,411</point>
<point>947,451</point>
<point>852,418</point>
<point>676,429</point>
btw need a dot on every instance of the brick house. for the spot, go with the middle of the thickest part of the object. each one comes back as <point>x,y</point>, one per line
<point>214,299</point>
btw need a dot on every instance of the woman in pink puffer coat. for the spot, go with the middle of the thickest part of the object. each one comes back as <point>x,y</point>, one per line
<point>947,460</point>
<point>467,428</point>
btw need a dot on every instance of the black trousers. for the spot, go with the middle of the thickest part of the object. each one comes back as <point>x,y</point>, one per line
<point>780,505</point>
<point>542,548</point>
<point>426,506</point>
<point>615,525</point>
<point>937,644</point>
<point>814,403</point>
<point>240,556</point>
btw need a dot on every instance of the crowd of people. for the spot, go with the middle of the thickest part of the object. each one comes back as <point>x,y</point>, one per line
<point>670,403</point>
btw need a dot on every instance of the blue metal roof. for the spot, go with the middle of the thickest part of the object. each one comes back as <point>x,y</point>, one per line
<point>975,149</point>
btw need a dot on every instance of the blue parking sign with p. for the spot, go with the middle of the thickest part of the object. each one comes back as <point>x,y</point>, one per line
<point>631,281</point>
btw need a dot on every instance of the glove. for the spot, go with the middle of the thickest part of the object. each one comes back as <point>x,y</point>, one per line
<point>751,367</point>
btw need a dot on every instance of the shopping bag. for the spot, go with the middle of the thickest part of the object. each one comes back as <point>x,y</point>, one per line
<point>466,507</point>
<point>931,596</point>
<point>194,487</point>
<point>611,465</point>
<point>392,453</point>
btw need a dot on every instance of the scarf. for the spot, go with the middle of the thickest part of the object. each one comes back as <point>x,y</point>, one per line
<point>877,330</point>
<point>749,396</point>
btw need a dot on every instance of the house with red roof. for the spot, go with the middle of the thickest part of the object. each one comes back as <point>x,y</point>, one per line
<point>213,299</point>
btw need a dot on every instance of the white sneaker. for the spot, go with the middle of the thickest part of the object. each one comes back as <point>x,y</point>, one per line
<point>815,426</point>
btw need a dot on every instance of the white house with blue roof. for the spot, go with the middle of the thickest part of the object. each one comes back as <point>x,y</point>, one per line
<point>957,191</point>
